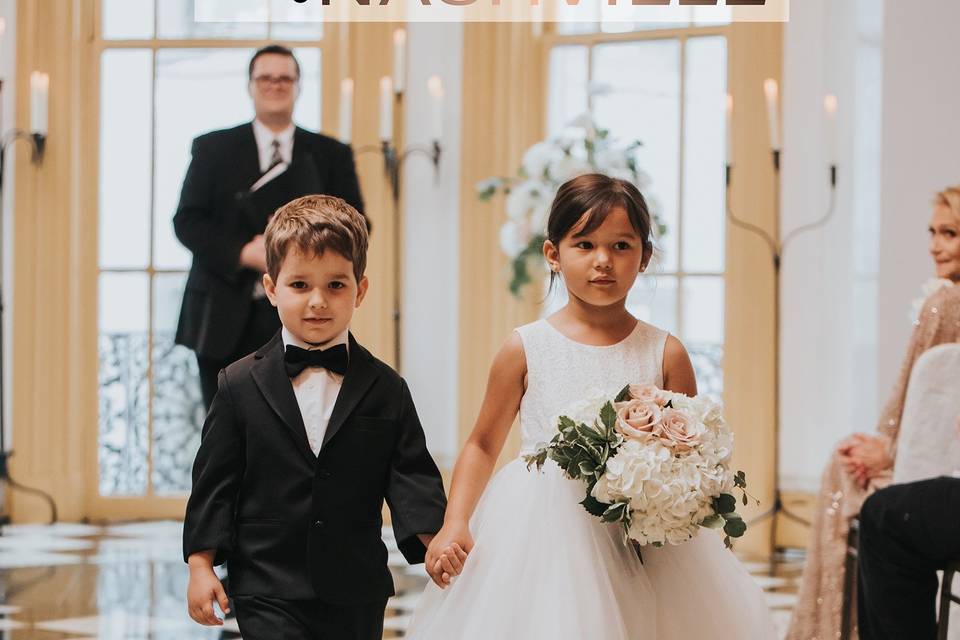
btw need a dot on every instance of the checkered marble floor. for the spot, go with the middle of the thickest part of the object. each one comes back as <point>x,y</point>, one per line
<point>78,582</point>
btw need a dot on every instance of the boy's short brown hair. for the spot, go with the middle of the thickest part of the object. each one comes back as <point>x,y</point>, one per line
<point>313,225</point>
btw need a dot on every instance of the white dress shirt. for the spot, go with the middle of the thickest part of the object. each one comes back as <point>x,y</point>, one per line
<point>265,137</point>
<point>316,390</point>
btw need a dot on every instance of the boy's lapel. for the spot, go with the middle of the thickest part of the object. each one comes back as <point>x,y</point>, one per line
<point>271,377</point>
<point>361,373</point>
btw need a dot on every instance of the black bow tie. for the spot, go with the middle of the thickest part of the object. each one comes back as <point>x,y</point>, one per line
<point>333,359</point>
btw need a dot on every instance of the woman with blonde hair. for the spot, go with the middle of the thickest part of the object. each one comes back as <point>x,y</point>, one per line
<point>863,463</point>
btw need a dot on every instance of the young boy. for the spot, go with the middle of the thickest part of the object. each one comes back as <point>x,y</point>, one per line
<point>303,442</point>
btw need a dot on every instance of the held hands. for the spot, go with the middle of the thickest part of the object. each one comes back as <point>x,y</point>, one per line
<point>254,254</point>
<point>447,553</point>
<point>864,456</point>
<point>204,587</point>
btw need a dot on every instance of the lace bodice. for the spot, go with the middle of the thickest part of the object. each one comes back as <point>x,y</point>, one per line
<point>561,371</point>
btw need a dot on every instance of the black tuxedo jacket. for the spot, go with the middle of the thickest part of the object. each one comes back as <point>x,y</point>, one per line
<point>292,525</point>
<point>218,215</point>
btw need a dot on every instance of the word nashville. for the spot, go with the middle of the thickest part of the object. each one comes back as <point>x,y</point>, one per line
<point>572,3</point>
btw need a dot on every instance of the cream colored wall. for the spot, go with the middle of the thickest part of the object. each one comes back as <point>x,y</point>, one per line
<point>502,115</point>
<point>54,333</point>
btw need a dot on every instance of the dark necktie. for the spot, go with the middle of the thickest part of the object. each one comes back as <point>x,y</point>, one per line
<point>333,359</point>
<point>276,158</point>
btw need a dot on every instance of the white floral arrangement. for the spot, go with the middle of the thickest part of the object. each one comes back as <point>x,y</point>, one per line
<point>929,288</point>
<point>655,461</point>
<point>581,148</point>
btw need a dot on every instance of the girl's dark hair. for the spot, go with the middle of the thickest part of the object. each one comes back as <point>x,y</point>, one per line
<point>597,194</point>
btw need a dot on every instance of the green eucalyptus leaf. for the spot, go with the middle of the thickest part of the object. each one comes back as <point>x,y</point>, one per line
<point>735,528</point>
<point>725,503</point>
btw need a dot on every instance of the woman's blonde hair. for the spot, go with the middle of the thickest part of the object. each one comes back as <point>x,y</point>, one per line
<point>949,198</point>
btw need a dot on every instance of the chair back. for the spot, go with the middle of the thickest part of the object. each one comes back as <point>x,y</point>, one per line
<point>928,444</point>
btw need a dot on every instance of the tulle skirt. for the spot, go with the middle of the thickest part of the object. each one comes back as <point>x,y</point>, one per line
<point>543,568</point>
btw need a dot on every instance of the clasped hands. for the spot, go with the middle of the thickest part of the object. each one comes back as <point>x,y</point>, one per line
<point>865,456</point>
<point>447,553</point>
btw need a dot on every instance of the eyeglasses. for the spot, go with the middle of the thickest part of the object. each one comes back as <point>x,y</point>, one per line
<point>284,82</point>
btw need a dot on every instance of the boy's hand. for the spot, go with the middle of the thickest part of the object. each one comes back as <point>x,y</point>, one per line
<point>203,589</point>
<point>253,255</point>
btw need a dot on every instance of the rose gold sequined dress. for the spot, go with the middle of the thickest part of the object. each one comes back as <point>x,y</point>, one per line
<point>820,601</point>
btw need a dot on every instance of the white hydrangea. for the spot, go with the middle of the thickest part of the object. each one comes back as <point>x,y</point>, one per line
<point>587,409</point>
<point>670,492</point>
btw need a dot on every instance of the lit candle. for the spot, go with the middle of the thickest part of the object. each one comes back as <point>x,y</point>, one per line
<point>399,59</point>
<point>346,109</point>
<point>729,130</point>
<point>772,92</point>
<point>386,108</point>
<point>435,87</point>
<point>39,94</point>
<point>830,110</point>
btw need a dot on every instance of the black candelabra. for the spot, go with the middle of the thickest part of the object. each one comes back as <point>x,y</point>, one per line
<point>393,162</point>
<point>777,244</point>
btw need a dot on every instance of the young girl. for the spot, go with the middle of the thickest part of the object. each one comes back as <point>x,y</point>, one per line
<point>534,563</point>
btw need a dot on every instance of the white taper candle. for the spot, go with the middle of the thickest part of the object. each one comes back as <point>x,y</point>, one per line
<point>772,92</point>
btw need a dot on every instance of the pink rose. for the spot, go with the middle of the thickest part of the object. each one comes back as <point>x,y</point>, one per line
<point>638,418</point>
<point>648,393</point>
<point>678,430</point>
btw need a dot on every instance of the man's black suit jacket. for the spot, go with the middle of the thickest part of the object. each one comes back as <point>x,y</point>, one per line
<point>292,525</point>
<point>218,215</point>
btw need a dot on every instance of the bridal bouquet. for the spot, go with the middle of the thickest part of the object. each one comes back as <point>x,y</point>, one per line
<point>655,461</point>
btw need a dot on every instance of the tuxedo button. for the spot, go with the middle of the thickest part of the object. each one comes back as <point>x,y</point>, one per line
<point>318,524</point>
<point>323,473</point>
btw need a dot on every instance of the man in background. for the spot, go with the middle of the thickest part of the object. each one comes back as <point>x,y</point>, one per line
<point>236,179</point>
